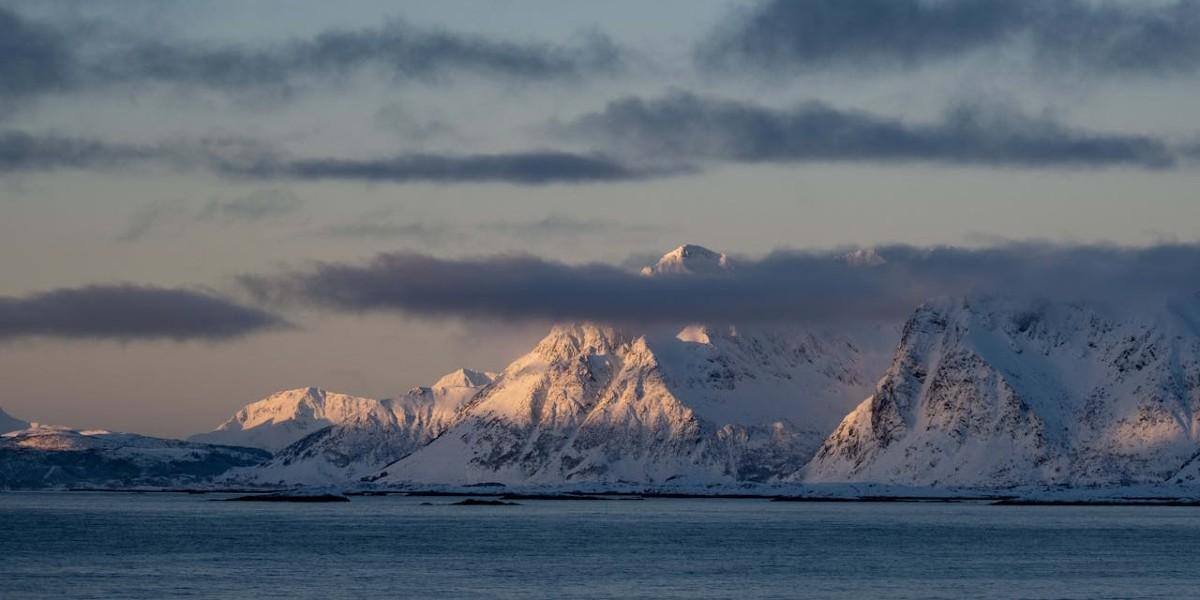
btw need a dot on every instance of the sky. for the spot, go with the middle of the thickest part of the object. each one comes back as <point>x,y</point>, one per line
<point>204,203</point>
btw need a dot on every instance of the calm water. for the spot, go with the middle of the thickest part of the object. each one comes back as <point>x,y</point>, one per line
<point>96,545</point>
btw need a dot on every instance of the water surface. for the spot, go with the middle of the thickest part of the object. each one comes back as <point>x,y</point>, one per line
<point>124,545</point>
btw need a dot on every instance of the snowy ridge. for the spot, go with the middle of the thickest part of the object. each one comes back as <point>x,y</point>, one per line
<point>362,443</point>
<point>284,417</point>
<point>995,393</point>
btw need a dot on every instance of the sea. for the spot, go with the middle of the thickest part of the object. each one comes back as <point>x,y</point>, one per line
<point>178,545</point>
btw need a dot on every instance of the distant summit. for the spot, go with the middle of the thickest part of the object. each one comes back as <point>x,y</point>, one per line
<point>463,378</point>
<point>689,259</point>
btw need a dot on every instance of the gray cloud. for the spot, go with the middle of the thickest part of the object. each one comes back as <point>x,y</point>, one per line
<point>791,286</point>
<point>1100,37</point>
<point>129,312</point>
<point>387,224</point>
<point>245,159</point>
<point>21,151</point>
<point>143,221</point>
<point>398,49</point>
<point>384,224</point>
<point>538,167</point>
<point>255,206</point>
<point>41,57</point>
<point>34,59</point>
<point>566,226</point>
<point>685,126</point>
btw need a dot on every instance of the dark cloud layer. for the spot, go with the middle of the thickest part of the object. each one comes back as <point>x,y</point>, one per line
<point>41,58</point>
<point>129,312</point>
<point>1105,36</point>
<point>33,58</point>
<point>685,126</point>
<point>792,286</point>
<point>245,159</point>
<point>397,49</point>
<point>21,151</point>
<point>537,167</point>
<point>24,152</point>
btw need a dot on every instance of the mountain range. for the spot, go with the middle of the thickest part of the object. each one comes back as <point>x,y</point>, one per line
<point>969,392</point>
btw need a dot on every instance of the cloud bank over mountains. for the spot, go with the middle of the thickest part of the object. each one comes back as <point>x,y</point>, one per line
<point>795,286</point>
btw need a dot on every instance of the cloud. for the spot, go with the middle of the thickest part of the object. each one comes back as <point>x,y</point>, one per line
<point>34,59</point>
<point>20,151</point>
<point>130,312</point>
<point>1160,38</point>
<point>570,227</point>
<point>255,206</point>
<point>530,168</point>
<point>684,126</point>
<point>143,221</point>
<point>396,49</point>
<point>814,286</point>
<point>397,118</point>
<point>387,224</point>
<point>384,224</point>
<point>42,57</point>
<point>25,152</point>
<point>247,159</point>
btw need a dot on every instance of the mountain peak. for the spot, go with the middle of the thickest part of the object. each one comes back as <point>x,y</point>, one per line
<point>463,378</point>
<point>864,257</point>
<point>690,259</point>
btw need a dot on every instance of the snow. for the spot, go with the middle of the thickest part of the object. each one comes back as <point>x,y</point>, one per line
<point>689,259</point>
<point>360,444</point>
<point>993,392</point>
<point>285,417</point>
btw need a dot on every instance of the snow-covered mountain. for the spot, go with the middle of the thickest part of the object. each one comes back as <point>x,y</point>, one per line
<point>10,423</point>
<point>991,392</point>
<point>705,403</point>
<point>55,456</point>
<point>689,259</point>
<point>361,444</point>
<point>285,417</point>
